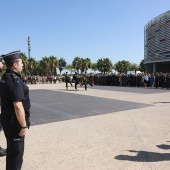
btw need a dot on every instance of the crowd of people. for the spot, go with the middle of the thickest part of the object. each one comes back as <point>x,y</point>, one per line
<point>134,80</point>
<point>41,79</point>
<point>153,80</point>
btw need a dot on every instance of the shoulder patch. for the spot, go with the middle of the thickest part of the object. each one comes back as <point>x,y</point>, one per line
<point>15,78</point>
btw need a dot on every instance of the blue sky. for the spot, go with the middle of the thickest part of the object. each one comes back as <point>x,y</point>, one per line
<point>84,28</point>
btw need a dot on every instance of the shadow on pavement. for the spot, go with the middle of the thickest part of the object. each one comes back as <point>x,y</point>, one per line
<point>144,156</point>
<point>163,146</point>
<point>53,106</point>
<point>161,102</point>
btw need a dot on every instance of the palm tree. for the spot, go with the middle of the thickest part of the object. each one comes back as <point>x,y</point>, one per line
<point>134,67</point>
<point>94,67</point>
<point>104,65</point>
<point>77,63</point>
<point>85,64</point>
<point>48,65</point>
<point>53,64</point>
<point>70,68</point>
<point>33,66</point>
<point>122,66</point>
<point>44,66</point>
<point>25,63</point>
<point>60,65</point>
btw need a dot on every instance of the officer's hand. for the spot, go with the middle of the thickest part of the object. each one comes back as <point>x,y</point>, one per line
<point>22,132</point>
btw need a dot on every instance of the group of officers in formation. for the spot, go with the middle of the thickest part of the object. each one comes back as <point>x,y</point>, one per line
<point>135,80</point>
<point>153,80</point>
<point>85,79</point>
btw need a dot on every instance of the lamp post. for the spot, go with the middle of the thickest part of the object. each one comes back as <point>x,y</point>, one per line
<point>29,49</point>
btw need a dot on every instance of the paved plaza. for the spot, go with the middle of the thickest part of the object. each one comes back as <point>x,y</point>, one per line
<point>103,128</point>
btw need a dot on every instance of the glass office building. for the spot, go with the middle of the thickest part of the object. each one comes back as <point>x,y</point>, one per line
<point>157,44</point>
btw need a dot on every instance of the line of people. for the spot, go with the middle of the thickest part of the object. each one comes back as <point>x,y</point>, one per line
<point>134,80</point>
<point>153,80</point>
<point>76,80</point>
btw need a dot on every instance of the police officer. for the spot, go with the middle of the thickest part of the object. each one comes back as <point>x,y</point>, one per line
<point>85,80</point>
<point>76,79</point>
<point>67,79</point>
<point>2,151</point>
<point>157,80</point>
<point>168,81</point>
<point>15,104</point>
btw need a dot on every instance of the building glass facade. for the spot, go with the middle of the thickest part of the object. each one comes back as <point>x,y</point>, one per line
<point>157,44</point>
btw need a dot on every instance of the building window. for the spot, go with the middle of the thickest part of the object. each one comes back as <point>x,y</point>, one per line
<point>162,40</point>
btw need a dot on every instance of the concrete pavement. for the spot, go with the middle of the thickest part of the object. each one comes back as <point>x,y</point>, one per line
<point>103,128</point>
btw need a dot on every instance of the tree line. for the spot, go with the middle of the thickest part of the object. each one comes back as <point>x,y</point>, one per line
<point>48,65</point>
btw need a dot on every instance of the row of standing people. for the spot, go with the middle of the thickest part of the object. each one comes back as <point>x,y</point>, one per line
<point>131,80</point>
<point>128,80</point>
<point>41,79</point>
<point>134,80</point>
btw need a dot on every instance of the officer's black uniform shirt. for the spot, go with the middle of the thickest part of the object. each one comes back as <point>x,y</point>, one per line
<point>13,89</point>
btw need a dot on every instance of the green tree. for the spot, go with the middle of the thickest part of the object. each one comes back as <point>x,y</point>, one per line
<point>85,64</point>
<point>94,67</point>
<point>53,64</point>
<point>122,66</point>
<point>70,68</point>
<point>44,66</point>
<point>60,66</point>
<point>142,66</point>
<point>134,67</point>
<point>25,64</point>
<point>48,65</point>
<point>77,63</point>
<point>104,65</point>
<point>33,66</point>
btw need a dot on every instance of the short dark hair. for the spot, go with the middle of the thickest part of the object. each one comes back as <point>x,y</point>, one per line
<point>10,63</point>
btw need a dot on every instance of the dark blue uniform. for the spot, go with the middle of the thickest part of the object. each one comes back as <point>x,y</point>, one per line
<point>13,89</point>
<point>67,80</point>
<point>76,79</point>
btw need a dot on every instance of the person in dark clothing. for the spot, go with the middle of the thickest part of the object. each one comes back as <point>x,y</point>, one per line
<point>2,151</point>
<point>76,79</point>
<point>86,80</point>
<point>168,80</point>
<point>67,80</point>
<point>162,80</point>
<point>157,80</point>
<point>15,113</point>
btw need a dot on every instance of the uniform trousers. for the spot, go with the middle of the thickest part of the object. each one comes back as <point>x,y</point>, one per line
<point>15,148</point>
<point>66,85</point>
<point>76,83</point>
<point>85,85</point>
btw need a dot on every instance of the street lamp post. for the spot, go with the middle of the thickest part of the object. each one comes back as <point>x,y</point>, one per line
<point>29,49</point>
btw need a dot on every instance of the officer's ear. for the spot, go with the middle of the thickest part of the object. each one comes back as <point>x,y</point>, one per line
<point>15,64</point>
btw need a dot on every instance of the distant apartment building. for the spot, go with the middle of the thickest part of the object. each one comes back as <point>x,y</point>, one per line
<point>157,44</point>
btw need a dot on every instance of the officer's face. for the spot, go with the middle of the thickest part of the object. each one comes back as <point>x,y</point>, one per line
<point>1,65</point>
<point>19,66</point>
